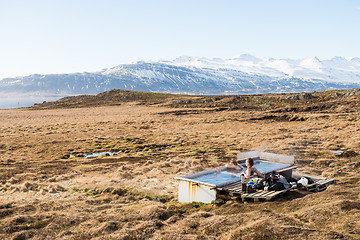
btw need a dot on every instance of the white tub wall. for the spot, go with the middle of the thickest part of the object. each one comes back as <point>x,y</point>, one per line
<point>192,177</point>
<point>195,175</point>
<point>245,155</point>
<point>190,192</point>
<point>279,158</point>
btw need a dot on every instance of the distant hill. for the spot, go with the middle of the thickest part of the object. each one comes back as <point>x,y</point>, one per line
<point>110,98</point>
<point>291,102</point>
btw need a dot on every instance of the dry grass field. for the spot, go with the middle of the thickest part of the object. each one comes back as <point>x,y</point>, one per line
<point>49,190</point>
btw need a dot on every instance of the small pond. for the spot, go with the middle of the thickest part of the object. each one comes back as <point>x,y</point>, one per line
<point>97,154</point>
<point>337,151</point>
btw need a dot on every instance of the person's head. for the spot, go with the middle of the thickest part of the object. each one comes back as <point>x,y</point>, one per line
<point>249,162</point>
<point>234,162</point>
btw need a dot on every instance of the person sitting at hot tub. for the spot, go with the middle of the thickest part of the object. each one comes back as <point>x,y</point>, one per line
<point>250,169</point>
<point>234,164</point>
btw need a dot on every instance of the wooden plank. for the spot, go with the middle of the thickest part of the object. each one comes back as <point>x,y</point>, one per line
<point>300,174</point>
<point>235,190</point>
<point>254,194</point>
<point>269,193</point>
<point>285,169</point>
<point>248,194</point>
<point>326,181</point>
<point>279,192</point>
<point>265,193</point>
<point>231,184</point>
<point>319,185</point>
<point>310,185</point>
<point>260,194</point>
<point>273,194</point>
<point>234,186</point>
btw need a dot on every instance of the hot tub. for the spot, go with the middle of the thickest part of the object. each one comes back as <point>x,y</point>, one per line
<point>202,186</point>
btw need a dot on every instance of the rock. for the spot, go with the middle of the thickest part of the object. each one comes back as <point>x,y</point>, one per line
<point>296,118</point>
<point>15,190</point>
<point>349,154</point>
<point>53,190</point>
<point>192,223</point>
<point>30,186</point>
<point>155,213</point>
<point>120,192</point>
<point>219,202</point>
<point>13,180</point>
<point>126,175</point>
<point>123,168</point>
<point>52,179</point>
<point>43,191</point>
<point>304,96</point>
<point>107,227</point>
<point>223,197</point>
<point>332,165</point>
<point>60,188</point>
<point>337,94</point>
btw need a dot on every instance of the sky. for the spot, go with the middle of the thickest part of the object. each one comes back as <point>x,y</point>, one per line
<point>66,36</point>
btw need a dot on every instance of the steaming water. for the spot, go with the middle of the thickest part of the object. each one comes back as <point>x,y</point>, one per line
<point>267,167</point>
<point>217,178</point>
<point>225,176</point>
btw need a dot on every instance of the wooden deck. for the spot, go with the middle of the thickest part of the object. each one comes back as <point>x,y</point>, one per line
<point>261,194</point>
<point>232,188</point>
<point>318,186</point>
<point>235,189</point>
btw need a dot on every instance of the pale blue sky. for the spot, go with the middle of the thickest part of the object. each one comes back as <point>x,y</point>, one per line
<point>64,36</point>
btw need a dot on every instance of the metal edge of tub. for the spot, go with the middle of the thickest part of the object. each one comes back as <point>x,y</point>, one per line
<point>189,178</point>
<point>272,157</point>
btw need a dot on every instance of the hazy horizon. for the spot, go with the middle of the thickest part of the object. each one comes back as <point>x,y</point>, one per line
<point>18,100</point>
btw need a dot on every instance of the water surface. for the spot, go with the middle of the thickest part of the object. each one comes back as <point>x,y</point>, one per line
<point>229,175</point>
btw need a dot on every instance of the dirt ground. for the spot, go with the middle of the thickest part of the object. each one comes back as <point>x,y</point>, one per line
<point>49,190</point>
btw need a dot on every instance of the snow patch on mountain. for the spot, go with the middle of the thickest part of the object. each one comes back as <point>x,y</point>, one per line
<point>337,69</point>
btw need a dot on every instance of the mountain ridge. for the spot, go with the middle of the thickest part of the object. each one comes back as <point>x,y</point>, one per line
<point>244,74</point>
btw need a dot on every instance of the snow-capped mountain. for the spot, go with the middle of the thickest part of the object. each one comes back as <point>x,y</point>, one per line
<point>337,69</point>
<point>243,74</point>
